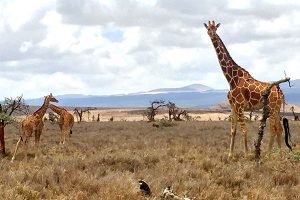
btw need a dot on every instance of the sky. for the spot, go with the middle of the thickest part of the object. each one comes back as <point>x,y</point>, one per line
<point>103,47</point>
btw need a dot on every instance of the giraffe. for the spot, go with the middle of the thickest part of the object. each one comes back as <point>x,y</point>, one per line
<point>33,123</point>
<point>245,93</point>
<point>66,122</point>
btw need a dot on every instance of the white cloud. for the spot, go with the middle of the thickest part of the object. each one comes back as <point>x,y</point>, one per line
<point>18,12</point>
<point>106,47</point>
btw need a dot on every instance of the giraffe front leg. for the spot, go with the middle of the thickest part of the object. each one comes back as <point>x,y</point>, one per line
<point>245,134</point>
<point>62,137</point>
<point>37,143</point>
<point>241,119</point>
<point>232,132</point>
<point>65,135</point>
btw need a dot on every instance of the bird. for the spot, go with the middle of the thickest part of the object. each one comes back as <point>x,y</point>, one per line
<point>144,188</point>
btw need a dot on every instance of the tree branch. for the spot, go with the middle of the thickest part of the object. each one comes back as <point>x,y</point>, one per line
<point>266,112</point>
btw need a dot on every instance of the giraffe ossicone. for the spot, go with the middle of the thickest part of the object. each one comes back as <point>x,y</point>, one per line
<point>245,93</point>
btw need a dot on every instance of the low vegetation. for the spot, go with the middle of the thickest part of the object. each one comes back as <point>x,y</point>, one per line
<point>105,161</point>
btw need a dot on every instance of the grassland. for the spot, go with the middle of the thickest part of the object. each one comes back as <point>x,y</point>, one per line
<point>105,160</point>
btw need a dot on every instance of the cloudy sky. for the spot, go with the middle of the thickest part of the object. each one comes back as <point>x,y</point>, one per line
<point>123,46</point>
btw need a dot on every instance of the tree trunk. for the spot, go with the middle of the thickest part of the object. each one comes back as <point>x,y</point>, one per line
<point>266,112</point>
<point>2,142</point>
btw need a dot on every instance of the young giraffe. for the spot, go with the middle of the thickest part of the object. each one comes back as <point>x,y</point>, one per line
<point>245,93</point>
<point>33,123</point>
<point>66,122</point>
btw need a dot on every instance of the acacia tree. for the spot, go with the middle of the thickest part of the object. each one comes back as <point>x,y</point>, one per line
<point>151,111</point>
<point>175,113</point>
<point>296,117</point>
<point>8,108</point>
<point>79,112</point>
<point>53,118</point>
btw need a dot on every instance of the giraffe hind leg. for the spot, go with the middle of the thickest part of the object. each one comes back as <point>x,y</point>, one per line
<point>279,131</point>
<point>273,132</point>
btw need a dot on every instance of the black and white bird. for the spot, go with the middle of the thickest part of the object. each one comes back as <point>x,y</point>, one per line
<point>144,188</point>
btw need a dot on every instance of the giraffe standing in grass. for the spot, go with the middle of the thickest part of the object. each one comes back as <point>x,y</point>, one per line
<point>66,122</point>
<point>33,123</point>
<point>245,93</point>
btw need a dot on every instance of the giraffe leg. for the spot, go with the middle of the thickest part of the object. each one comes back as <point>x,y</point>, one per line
<point>232,132</point>
<point>273,131</point>
<point>37,142</point>
<point>61,134</point>
<point>16,149</point>
<point>278,131</point>
<point>64,136</point>
<point>25,144</point>
<point>244,129</point>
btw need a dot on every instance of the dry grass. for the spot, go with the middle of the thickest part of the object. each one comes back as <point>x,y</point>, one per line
<point>104,161</point>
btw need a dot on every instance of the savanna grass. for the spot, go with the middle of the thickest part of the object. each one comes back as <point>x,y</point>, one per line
<point>105,160</point>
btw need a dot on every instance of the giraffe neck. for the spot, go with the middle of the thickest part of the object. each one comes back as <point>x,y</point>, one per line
<point>56,109</point>
<point>42,110</point>
<point>231,70</point>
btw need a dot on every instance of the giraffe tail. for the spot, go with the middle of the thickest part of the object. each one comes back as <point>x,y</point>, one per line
<point>287,135</point>
<point>71,132</point>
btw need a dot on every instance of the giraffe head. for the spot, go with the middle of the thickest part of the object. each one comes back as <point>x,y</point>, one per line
<point>51,98</point>
<point>211,28</point>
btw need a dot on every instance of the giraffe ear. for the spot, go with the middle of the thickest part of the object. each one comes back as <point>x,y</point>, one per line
<point>205,25</point>
<point>218,25</point>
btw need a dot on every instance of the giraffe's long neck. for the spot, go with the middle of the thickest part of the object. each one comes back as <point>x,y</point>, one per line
<point>55,109</point>
<point>42,110</point>
<point>230,69</point>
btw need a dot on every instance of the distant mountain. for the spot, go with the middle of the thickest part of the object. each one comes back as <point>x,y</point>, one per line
<point>190,96</point>
<point>188,88</point>
<point>74,96</point>
<point>195,95</point>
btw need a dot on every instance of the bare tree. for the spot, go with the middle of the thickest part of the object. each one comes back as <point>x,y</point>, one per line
<point>296,117</point>
<point>8,108</point>
<point>79,113</point>
<point>151,111</point>
<point>250,115</point>
<point>89,114</point>
<point>265,116</point>
<point>53,118</point>
<point>175,113</point>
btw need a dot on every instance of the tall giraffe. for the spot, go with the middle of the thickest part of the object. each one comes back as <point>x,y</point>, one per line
<point>66,122</point>
<point>33,123</point>
<point>245,93</point>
